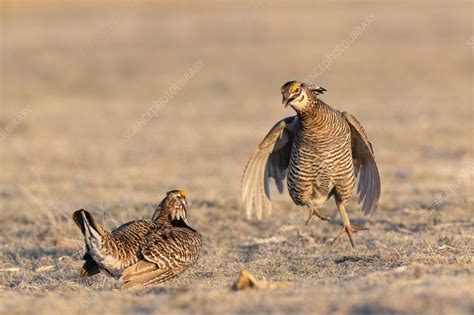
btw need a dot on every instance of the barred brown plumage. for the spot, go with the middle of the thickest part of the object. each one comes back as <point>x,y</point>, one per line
<point>166,237</point>
<point>166,253</point>
<point>110,252</point>
<point>320,150</point>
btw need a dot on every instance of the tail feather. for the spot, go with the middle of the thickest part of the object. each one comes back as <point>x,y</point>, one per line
<point>84,220</point>
<point>93,236</point>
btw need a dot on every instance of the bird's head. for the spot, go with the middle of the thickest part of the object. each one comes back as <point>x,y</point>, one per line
<point>299,95</point>
<point>172,209</point>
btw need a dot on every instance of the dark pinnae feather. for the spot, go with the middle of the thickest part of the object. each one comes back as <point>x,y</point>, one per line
<point>90,267</point>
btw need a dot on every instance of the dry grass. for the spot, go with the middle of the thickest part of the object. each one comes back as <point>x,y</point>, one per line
<point>87,72</point>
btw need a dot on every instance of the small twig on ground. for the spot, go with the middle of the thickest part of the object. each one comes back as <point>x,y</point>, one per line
<point>11,269</point>
<point>446,247</point>
<point>45,268</point>
<point>429,246</point>
<point>269,240</point>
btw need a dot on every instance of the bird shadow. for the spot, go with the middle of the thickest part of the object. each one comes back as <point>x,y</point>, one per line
<point>357,259</point>
<point>155,291</point>
<point>375,309</point>
<point>249,252</point>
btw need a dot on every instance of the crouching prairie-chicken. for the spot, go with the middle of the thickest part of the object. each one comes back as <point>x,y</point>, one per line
<point>166,245</point>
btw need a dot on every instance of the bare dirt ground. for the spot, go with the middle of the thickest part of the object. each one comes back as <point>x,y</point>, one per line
<point>75,77</point>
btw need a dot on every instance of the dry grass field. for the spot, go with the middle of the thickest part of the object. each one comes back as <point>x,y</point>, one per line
<point>77,76</point>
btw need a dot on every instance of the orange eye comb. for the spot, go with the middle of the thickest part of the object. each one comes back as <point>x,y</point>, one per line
<point>294,87</point>
<point>183,194</point>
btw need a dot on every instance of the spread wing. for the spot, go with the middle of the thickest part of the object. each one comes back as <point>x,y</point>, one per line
<point>271,159</point>
<point>365,166</point>
<point>166,254</point>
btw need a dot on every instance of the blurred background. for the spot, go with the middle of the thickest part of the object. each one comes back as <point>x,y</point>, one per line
<point>107,105</point>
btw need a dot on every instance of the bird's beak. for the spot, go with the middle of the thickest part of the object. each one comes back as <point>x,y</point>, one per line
<point>287,98</point>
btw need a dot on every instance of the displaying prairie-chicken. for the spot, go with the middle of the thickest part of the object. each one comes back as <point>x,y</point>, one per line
<point>320,150</point>
<point>127,245</point>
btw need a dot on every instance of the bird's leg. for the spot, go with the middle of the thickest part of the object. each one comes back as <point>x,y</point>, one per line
<point>313,211</point>
<point>347,226</point>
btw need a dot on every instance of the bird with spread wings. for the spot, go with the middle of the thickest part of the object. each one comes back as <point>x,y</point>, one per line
<point>321,152</point>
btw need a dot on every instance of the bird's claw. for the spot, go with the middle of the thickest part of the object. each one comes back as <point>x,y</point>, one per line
<point>349,229</point>
<point>313,212</point>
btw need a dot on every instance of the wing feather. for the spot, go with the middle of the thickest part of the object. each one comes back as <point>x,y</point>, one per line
<point>164,256</point>
<point>365,166</point>
<point>144,274</point>
<point>270,160</point>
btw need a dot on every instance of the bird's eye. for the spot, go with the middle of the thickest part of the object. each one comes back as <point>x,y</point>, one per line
<point>297,90</point>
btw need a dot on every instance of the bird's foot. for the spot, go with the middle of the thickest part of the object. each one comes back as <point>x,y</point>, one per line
<point>314,212</point>
<point>349,229</point>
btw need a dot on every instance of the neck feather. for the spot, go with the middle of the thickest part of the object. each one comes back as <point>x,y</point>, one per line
<point>314,115</point>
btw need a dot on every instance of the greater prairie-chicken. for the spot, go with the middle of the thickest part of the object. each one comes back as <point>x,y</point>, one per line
<point>114,251</point>
<point>320,150</point>
<point>166,253</point>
